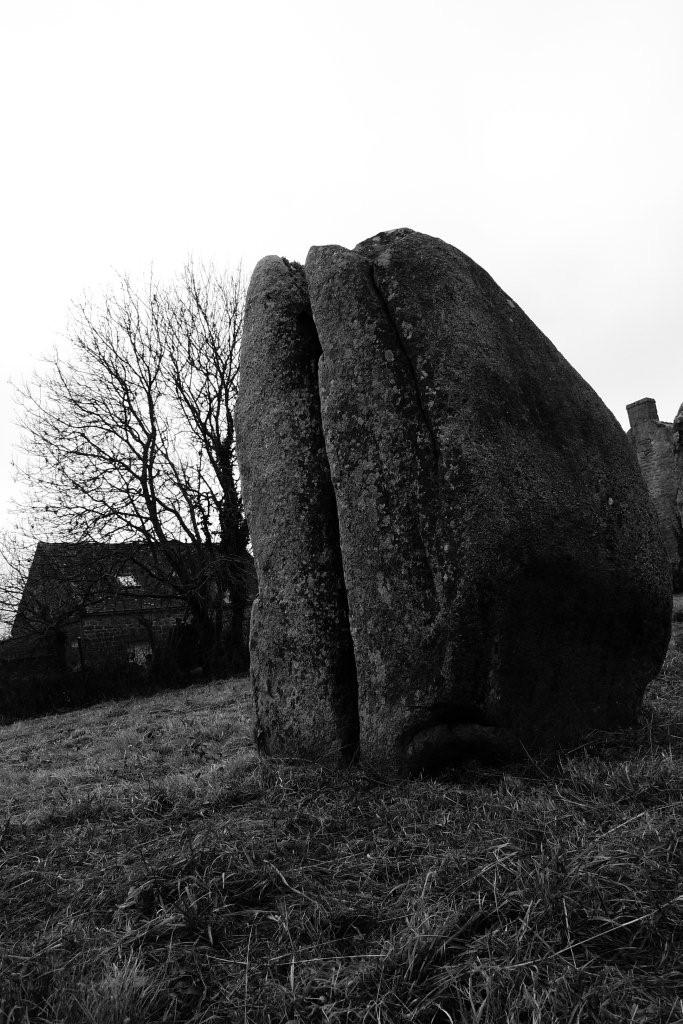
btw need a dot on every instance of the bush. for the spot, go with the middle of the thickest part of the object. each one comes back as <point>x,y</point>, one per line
<point>30,690</point>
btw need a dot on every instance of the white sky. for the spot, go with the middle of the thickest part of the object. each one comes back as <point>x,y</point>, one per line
<point>542,137</point>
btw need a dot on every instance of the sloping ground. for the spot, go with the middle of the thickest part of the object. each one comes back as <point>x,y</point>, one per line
<point>101,755</point>
<point>151,869</point>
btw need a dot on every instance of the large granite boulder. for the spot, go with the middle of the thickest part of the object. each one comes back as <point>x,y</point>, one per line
<point>506,581</point>
<point>302,663</point>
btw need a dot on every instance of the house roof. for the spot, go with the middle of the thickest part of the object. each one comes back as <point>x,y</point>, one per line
<point>67,578</point>
<point>26,648</point>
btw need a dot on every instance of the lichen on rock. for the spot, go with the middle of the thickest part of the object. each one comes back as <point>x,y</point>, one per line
<point>302,666</point>
<point>471,500</point>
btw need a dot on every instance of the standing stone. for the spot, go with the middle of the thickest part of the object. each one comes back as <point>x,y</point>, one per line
<point>302,667</point>
<point>505,575</point>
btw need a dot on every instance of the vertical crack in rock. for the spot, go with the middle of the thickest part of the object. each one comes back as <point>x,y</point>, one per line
<point>432,474</point>
<point>383,472</point>
<point>411,368</point>
<point>351,748</point>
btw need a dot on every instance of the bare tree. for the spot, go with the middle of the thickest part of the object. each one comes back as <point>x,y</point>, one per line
<point>15,559</point>
<point>132,437</point>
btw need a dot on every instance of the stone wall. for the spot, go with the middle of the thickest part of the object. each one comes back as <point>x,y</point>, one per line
<point>657,445</point>
<point>108,640</point>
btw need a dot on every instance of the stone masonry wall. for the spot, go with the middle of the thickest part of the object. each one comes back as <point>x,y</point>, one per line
<point>658,452</point>
<point>115,639</point>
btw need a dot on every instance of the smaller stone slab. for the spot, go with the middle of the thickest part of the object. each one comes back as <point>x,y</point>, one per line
<point>302,666</point>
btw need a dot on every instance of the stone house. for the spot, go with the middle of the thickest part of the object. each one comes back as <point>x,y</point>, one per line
<point>100,606</point>
<point>659,450</point>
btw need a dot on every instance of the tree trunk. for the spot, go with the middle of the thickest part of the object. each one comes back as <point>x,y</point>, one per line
<point>233,544</point>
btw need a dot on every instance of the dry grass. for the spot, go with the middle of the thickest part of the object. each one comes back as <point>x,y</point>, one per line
<point>152,869</point>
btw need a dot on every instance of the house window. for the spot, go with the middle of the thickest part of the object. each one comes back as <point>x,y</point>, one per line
<point>127,581</point>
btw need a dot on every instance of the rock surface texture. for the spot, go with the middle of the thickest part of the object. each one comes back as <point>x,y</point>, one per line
<point>302,664</point>
<point>489,529</point>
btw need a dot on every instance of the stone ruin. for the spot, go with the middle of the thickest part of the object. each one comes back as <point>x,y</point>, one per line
<point>455,549</point>
<point>659,450</point>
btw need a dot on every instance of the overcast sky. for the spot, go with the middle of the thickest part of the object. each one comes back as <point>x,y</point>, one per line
<point>542,137</point>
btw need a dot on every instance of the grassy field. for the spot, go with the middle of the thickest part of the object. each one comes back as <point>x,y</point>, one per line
<point>152,869</point>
